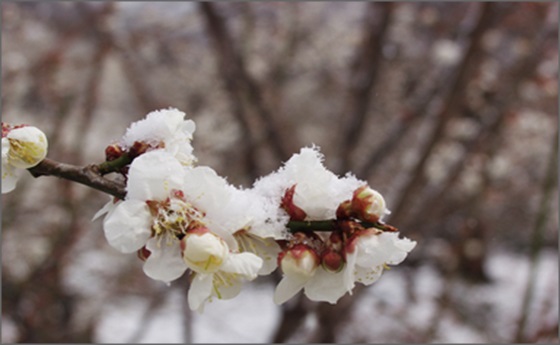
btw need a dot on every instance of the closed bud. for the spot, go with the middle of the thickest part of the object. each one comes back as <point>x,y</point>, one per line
<point>344,210</point>
<point>203,251</point>
<point>113,152</point>
<point>27,147</point>
<point>301,260</point>
<point>332,261</point>
<point>143,253</point>
<point>368,204</point>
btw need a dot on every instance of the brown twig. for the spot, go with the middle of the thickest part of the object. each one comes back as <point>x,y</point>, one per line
<point>87,175</point>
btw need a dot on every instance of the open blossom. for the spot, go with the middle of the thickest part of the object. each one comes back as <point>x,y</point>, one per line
<point>22,148</point>
<point>218,272</point>
<point>166,129</point>
<point>369,252</point>
<point>154,215</point>
<point>180,217</point>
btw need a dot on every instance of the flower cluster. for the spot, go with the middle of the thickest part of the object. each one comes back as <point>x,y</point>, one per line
<point>356,245</point>
<point>324,232</point>
<point>23,147</point>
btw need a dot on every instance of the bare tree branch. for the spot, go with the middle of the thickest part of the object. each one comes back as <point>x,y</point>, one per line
<point>88,175</point>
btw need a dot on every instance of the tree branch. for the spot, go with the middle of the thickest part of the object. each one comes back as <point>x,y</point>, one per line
<point>89,175</point>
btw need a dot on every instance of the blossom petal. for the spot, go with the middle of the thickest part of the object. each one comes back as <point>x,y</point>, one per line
<point>368,275</point>
<point>165,262</point>
<point>326,286</point>
<point>10,177</point>
<point>403,246</point>
<point>226,285</point>
<point>127,228</point>
<point>153,175</point>
<point>246,264</point>
<point>288,287</point>
<point>265,248</point>
<point>200,290</point>
<point>108,208</point>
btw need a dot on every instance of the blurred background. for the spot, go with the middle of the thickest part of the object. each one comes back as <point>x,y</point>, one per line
<point>450,110</point>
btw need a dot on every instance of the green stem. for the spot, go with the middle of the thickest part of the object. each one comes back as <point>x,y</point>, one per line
<point>331,225</point>
<point>315,225</point>
<point>114,165</point>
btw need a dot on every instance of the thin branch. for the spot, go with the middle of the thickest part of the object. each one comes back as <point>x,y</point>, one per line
<point>330,225</point>
<point>88,175</point>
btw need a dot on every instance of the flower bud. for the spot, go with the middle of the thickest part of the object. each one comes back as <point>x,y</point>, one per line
<point>143,253</point>
<point>288,205</point>
<point>300,260</point>
<point>344,210</point>
<point>332,261</point>
<point>368,204</point>
<point>113,152</point>
<point>28,147</point>
<point>203,251</point>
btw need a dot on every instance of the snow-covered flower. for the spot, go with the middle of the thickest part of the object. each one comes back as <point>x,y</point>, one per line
<point>326,265</point>
<point>154,215</point>
<point>318,191</point>
<point>166,129</point>
<point>218,272</point>
<point>247,217</point>
<point>22,148</point>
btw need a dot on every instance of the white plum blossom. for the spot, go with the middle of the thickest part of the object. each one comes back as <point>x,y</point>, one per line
<point>218,272</point>
<point>184,217</point>
<point>153,215</point>
<point>22,148</point>
<point>167,129</point>
<point>371,251</point>
<point>231,211</point>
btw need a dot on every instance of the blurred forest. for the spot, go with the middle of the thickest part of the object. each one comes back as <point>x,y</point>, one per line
<point>450,110</point>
